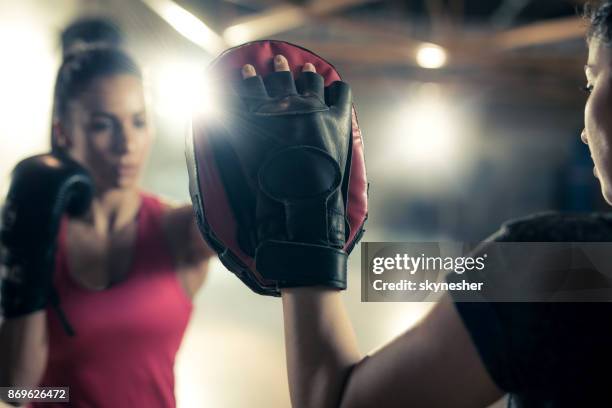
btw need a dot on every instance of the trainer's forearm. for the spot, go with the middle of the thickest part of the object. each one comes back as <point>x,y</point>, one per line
<point>23,350</point>
<point>321,346</point>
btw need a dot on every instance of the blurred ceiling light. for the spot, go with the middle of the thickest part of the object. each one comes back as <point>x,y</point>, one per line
<point>431,56</point>
<point>237,34</point>
<point>187,25</point>
<point>180,90</point>
<point>269,22</point>
<point>429,133</point>
<point>283,17</point>
<point>430,140</point>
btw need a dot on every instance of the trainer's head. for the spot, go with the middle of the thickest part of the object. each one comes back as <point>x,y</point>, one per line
<point>597,132</point>
<point>100,118</point>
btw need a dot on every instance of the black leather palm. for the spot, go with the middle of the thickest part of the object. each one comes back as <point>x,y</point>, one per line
<point>292,140</point>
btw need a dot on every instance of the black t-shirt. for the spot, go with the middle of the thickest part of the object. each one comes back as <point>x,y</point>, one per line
<point>547,354</point>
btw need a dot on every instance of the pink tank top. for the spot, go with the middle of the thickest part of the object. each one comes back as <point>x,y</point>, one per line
<point>127,335</point>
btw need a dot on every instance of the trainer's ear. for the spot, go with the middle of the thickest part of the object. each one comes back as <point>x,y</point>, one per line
<point>59,136</point>
<point>338,96</point>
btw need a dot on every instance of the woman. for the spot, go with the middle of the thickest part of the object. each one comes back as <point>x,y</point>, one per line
<point>470,354</point>
<point>126,271</point>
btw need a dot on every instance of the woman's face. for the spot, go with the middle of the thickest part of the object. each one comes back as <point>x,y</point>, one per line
<point>107,130</point>
<point>597,131</point>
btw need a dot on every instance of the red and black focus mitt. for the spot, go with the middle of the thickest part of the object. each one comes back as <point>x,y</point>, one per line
<point>277,173</point>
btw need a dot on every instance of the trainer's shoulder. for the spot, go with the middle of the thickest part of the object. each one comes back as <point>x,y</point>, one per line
<point>553,226</point>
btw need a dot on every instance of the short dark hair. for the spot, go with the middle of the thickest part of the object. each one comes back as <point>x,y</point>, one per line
<point>599,18</point>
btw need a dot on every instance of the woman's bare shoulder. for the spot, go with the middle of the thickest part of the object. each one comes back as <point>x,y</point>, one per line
<point>180,227</point>
<point>177,219</point>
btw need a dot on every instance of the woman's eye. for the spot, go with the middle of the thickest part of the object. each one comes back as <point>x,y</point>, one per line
<point>588,88</point>
<point>101,126</point>
<point>140,123</point>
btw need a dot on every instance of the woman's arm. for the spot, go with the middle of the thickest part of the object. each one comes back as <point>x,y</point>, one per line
<point>42,189</point>
<point>191,253</point>
<point>23,350</point>
<point>431,365</point>
<point>320,345</point>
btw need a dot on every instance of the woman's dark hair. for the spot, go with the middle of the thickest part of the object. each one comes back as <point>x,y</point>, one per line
<point>90,49</point>
<point>90,31</point>
<point>78,71</point>
<point>599,18</point>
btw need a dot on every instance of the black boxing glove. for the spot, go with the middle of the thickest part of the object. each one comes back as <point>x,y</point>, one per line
<point>42,189</point>
<point>292,140</point>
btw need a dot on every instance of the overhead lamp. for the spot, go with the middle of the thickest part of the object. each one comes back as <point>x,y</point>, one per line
<point>431,56</point>
<point>187,25</point>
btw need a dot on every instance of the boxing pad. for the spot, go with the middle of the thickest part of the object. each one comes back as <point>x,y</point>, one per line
<point>277,172</point>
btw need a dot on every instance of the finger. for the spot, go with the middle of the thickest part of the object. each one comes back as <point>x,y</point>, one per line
<point>281,63</point>
<point>248,71</point>
<point>339,96</point>
<point>308,67</point>
<point>280,83</point>
<point>253,87</point>
<point>311,84</point>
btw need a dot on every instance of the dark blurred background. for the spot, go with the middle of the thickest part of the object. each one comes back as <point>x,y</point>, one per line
<point>471,112</point>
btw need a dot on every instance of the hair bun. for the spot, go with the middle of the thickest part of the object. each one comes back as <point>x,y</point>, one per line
<point>88,33</point>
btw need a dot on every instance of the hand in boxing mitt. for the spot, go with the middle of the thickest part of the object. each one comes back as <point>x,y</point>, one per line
<point>292,140</point>
<point>42,189</point>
